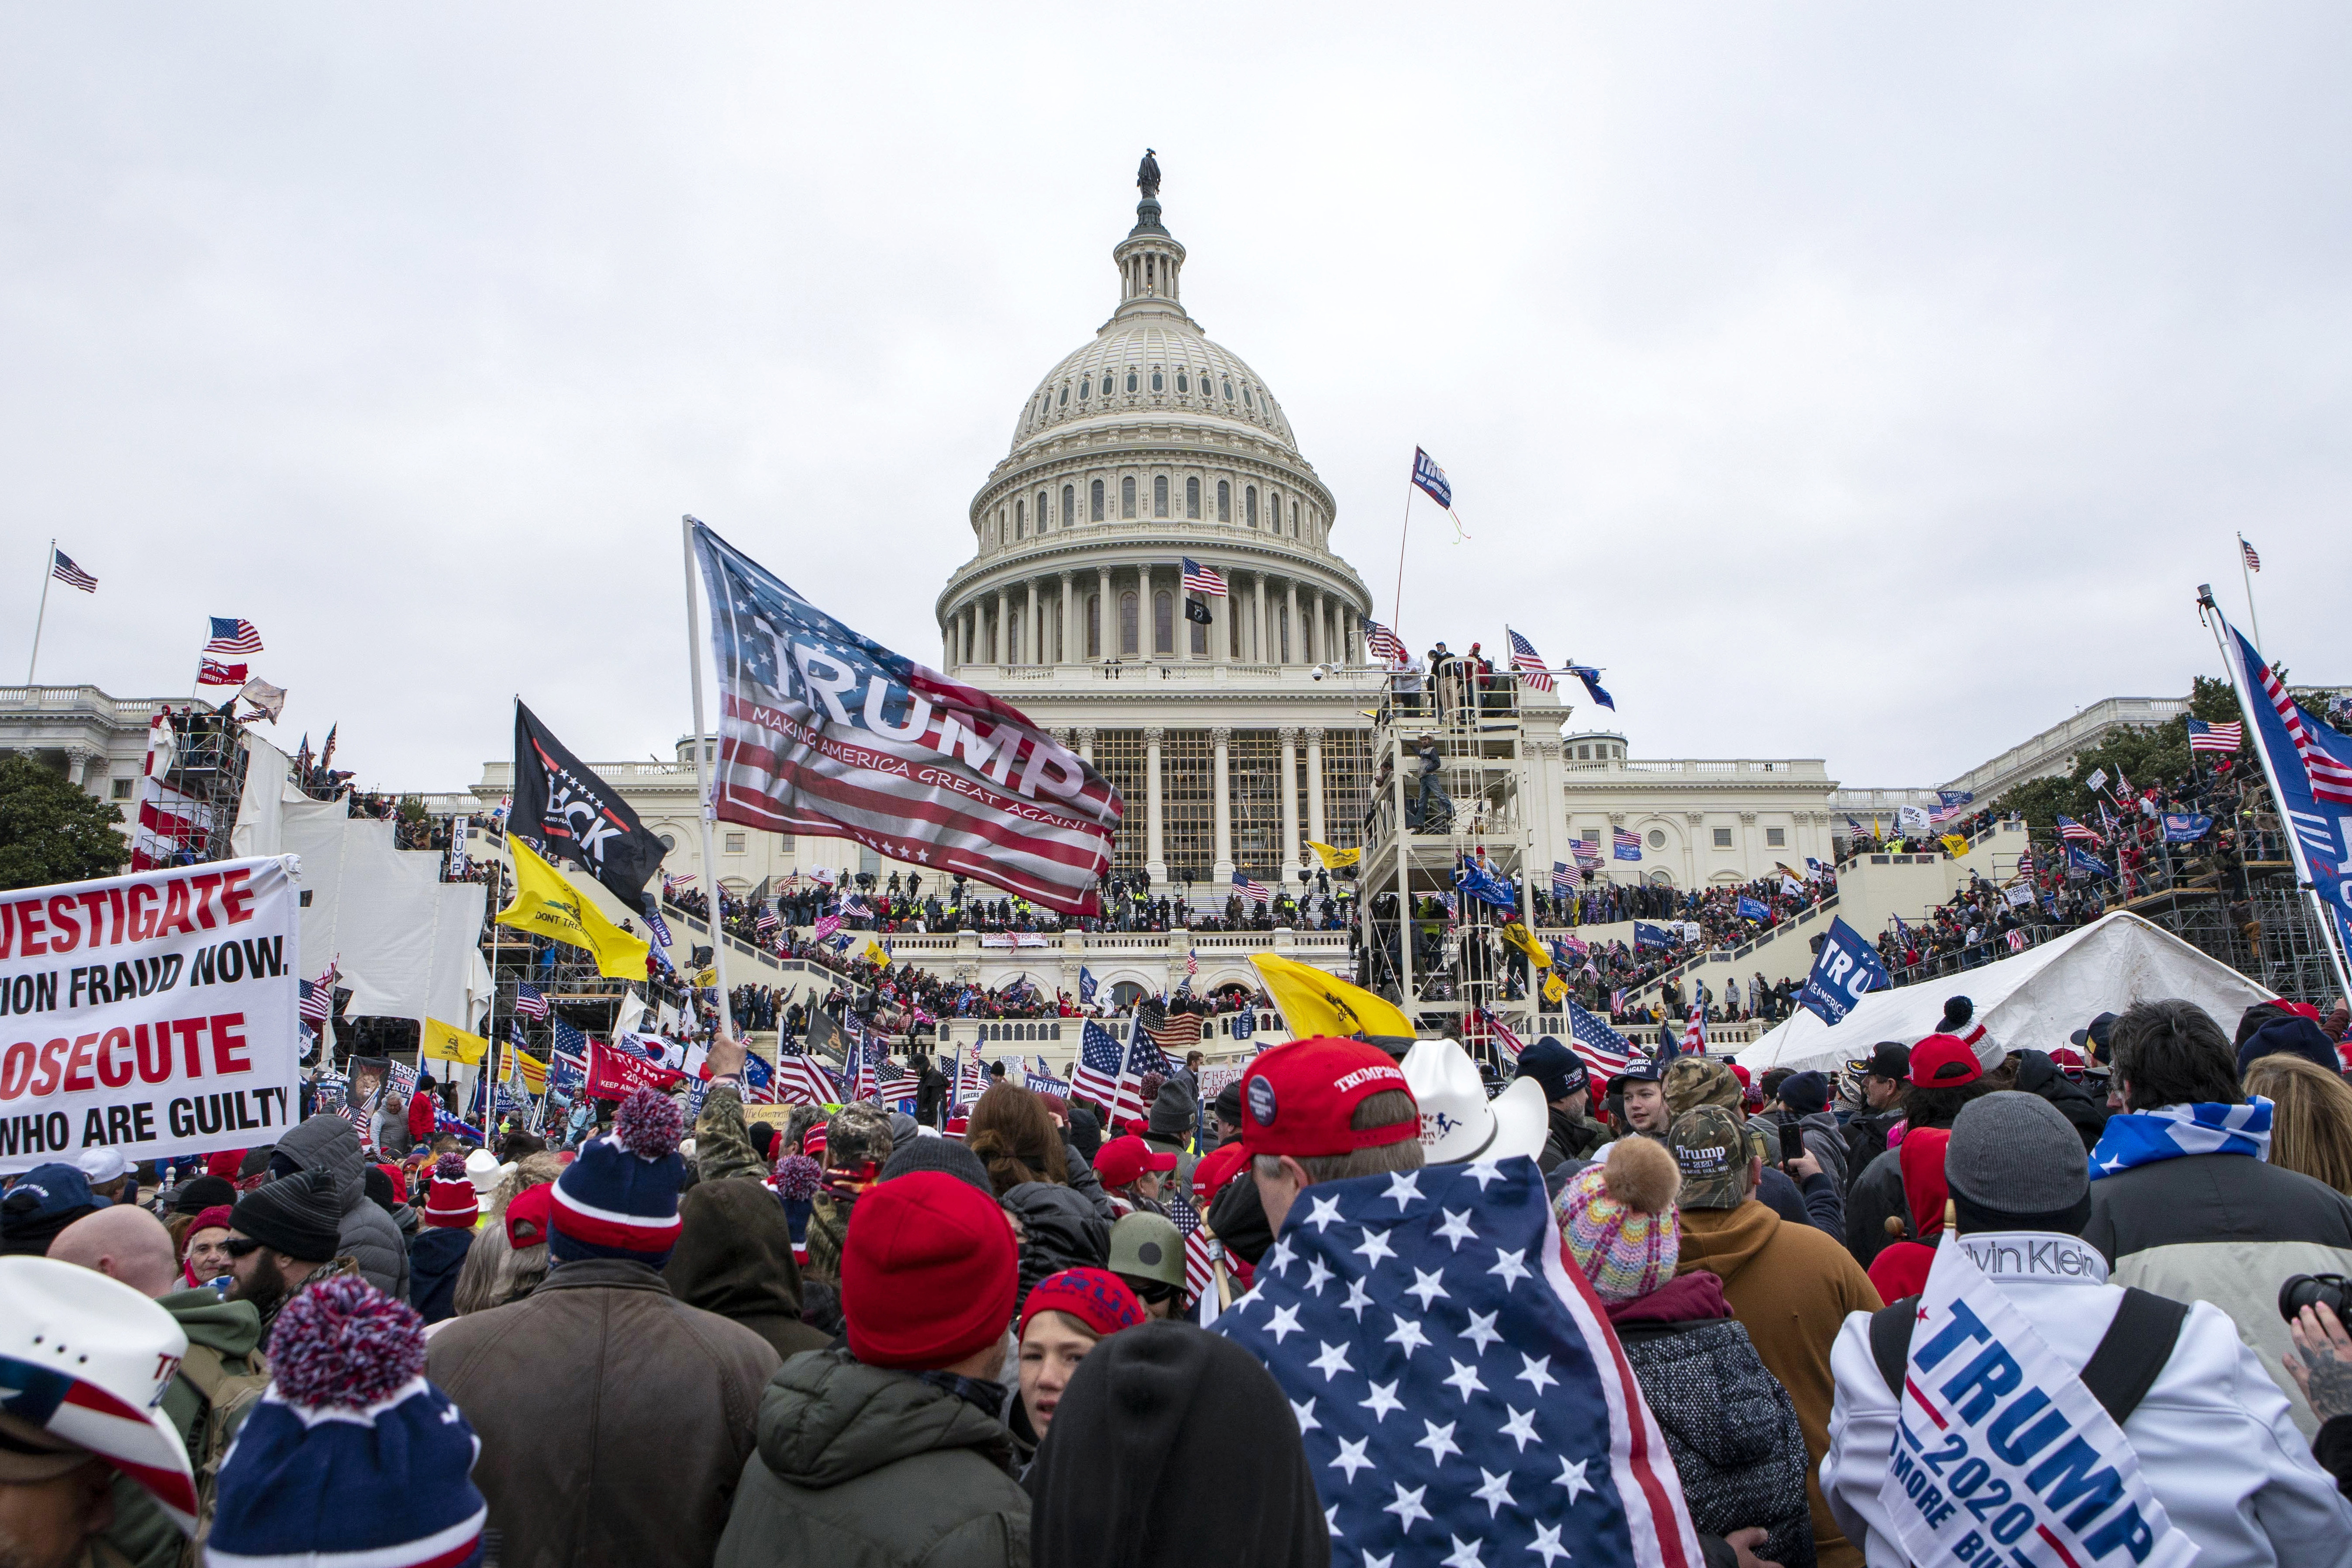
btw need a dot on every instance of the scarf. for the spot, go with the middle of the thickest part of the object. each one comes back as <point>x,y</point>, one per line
<point>2144,1137</point>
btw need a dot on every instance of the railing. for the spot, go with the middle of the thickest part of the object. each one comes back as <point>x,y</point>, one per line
<point>87,700</point>
<point>1737,767</point>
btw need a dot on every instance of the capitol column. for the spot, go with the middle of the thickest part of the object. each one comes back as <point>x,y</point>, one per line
<point>1070,643</point>
<point>1035,641</point>
<point>996,631</point>
<point>1105,620</point>
<point>1220,738</point>
<point>1289,862</point>
<point>1155,861</point>
<point>1295,652</point>
<point>1322,650</point>
<point>1315,789</point>
<point>1221,608</point>
<point>1258,651</point>
<point>1086,744</point>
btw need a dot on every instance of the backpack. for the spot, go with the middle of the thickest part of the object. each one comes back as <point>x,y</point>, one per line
<point>229,1397</point>
<point>2121,1371</point>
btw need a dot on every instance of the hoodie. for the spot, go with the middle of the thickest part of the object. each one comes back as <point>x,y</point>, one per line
<point>734,1258</point>
<point>865,1467</point>
<point>1792,1286</point>
<point>368,1235</point>
<point>2038,1075</point>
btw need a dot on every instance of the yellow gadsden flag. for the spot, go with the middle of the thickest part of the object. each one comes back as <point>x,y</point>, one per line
<point>1955,845</point>
<point>1334,859</point>
<point>873,952</point>
<point>1517,935</point>
<point>1314,1001</point>
<point>448,1043</point>
<point>550,906</point>
<point>1555,989</point>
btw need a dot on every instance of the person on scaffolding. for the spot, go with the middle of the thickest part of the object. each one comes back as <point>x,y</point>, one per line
<point>1430,786</point>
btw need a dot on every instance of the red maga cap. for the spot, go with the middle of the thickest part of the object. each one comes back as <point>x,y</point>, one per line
<point>1944,1061</point>
<point>1299,1099</point>
<point>1124,1159</point>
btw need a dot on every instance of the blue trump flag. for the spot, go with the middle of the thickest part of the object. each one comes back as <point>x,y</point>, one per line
<point>1483,884</point>
<point>2080,863</point>
<point>2321,827</point>
<point>1591,678</point>
<point>1648,935</point>
<point>1086,985</point>
<point>1431,478</point>
<point>2185,826</point>
<point>1845,970</point>
<point>1457,1391</point>
<point>1751,909</point>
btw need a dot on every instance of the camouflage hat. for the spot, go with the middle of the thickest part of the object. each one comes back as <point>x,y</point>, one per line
<point>858,1133</point>
<point>1694,1082</point>
<point>1711,1147</point>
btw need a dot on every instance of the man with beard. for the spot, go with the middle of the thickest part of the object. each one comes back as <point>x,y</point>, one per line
<point>281,1239</point>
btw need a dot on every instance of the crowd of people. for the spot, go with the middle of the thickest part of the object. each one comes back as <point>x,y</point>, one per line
<point>1044,1331</point>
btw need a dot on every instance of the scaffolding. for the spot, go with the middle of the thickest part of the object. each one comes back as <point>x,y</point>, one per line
<point>2259,922</point>
<point>1450,789</point>
<point>206,772</point>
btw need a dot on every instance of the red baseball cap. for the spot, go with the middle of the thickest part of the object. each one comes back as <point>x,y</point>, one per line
<point>1123,1160</point>
<point>1944,1061</point>
<point>1299,1099</point>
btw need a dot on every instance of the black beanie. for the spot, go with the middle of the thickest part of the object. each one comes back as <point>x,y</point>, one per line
<point>379,1188</point>
<point>203,1193</point>
<point>946,1155</point>
<point>297,1215</point>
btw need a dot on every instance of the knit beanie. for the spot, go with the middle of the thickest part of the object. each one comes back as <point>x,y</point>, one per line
<point>1618,1221</point>
<point>2290,1034</point>
<point>943,1155</point>
<point>929,1273</point>
<point>296,1214</point>
<point>350,1455</point>
<point>619,1198</point>
<point>1096,1298</point>
<point>450,1201</point>
<point>203,1192</point>
<point>1173,1113</point>
<point>2016,1164</point>
<point>1805,1092</point>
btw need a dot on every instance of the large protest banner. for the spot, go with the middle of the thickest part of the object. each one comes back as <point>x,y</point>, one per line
<point>154,1014</point>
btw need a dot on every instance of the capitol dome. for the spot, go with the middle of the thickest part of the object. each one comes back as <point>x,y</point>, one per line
<point>1155,363</point>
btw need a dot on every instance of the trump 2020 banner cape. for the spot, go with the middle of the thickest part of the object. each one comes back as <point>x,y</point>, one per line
<point>824,732</point>
<point>154,1014</point>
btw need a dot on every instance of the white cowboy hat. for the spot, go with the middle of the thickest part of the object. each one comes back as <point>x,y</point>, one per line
<point>1458,1122</point>
<point>482,1169</point>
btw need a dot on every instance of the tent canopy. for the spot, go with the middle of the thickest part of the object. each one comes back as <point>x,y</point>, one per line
<point>2034,1001</point>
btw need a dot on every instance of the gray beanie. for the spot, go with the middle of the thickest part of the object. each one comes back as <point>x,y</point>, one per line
<point>945,1155</point>
<point>2016,1164</point>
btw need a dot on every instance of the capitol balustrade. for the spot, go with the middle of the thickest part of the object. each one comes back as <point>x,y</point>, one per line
<point>1702,768</point>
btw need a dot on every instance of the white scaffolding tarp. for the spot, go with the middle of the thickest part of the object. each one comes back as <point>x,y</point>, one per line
<point>408,944</point>
<point>2033,1001</point>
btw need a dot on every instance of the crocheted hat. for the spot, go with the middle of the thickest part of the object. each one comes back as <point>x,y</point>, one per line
<point>1618,1220</point>
<point>350,1456</point>
<point>619,1198</point>
<point>451,1202</point>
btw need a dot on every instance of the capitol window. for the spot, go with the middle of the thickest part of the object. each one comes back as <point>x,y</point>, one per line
<point>1042,513</point>
<point>1098,500</point>
<point>1229,391</point>
<point>1084,387</point>
<point>1723,838</point>
<point>1193,499</point>
<point>1130,381</point>
<point>1224,501</point>
<point>1065,394</point>
<point>1160,495</point>
<point>1094,625</point>
<point>1127,497</point>
<point>1657,839</point>
<point>1129,632</point>
<point>1776,839</point>
<point>1249,505</point>
<point>1183,384</point>
<point>1294,520</point>
<point>1158,384</point>
<point>1163,623</point>
<point>1019,521</point>
<point>1069,505</point>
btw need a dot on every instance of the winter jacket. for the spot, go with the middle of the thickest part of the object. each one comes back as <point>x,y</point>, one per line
<point>224,1357</point>
<point>368,1235</point>
<point>734,1258</point>
<point>1730,1425</point>
<point>615,1419</point>
<point>2037,1074</point>
<point>862,1466</point>
<point>1876,1197</point>
<point>1792,1286</point>
<point>1824,1141</point>
<point>1060,1229</point>
<point>722,1143</point>
<point>2215,1443</point>
<point>1570,1138</point>
<point>423,1115</point>
<point>2228,1229</point>
<point>1865,1139</point>
<point>434,1258</point>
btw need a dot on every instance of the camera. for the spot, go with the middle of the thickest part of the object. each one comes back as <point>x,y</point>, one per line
<point>2301,1290</point>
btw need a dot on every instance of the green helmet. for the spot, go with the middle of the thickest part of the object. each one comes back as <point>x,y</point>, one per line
<point>1149,1247</point>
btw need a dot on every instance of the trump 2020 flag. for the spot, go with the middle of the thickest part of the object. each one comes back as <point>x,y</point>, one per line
<point>1845,970</point>
<point>824,732</point>
<point>1460,1393</point>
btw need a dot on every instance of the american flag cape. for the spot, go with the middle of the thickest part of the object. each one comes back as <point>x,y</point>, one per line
<point>827,732</point>
<point>1600,1047</point>
<point>1095,1076</point>
<point>1437,1300</point>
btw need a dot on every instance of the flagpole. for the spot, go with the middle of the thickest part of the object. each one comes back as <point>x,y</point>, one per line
<point>51,565</point>
<point>2330,931</point>
<point>1396,606</point>
<point>2246,575</point>
<point>702,780</point>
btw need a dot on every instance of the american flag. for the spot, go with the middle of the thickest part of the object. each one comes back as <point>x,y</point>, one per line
<point>2253,562</point>
<point>1484,1025</point>
<point>213,672</point>
<point>672,884</point>
<point>318,998</point>
<point>1565,878</point>
<point>1603,1048</point>
<point>2330,779</point>
<point>765,921</point>
<point>1695,1032</point>
<point>1192,963</point>
<point>894,1080</point>
<point>1199,579</point>
<point>1528,662</point>
<point>2025,862</point>
<point>1250,888</point>
<point>2016,940</point>
<point>1548,1450</point>
<point>1628,843</point>
<point>529,1001</point>
<point>1147,1054</point>
<point>1950,804</point>
<point>1617,1001</point>
<point>62,568</point>
<point>1384,644</point>
<point>231,635</point>
<point>1095,1077</point>
<point>801,1079</point>
<point>971,1076</point>
<point>2068,828</point>
<point>2204,737</point>
<point>1587,852</point>
<point>1200,1253</point>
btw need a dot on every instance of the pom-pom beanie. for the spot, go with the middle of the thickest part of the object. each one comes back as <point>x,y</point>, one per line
<point>450,1201</point>
<point>619,1198</point>
<point>1618,1221</point>
<point>350,1455</point>
<point>929,1273</point>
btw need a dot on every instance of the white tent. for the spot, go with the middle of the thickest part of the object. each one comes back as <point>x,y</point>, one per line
<point>409,944</point>
<point>2034,1001</point>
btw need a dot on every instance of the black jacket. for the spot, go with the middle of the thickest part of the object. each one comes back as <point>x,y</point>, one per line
<point>1878,1195</point>
<point>1865,1139</point>
<point>1570,1140</point>
<point>2037,1074</point>
<point>1060,1228</point>
<point>434,1259</point>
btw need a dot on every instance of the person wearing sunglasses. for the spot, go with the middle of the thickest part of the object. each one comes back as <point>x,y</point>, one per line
<point>282,1237</point>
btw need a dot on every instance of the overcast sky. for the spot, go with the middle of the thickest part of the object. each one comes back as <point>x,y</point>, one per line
<point>1852,381</point>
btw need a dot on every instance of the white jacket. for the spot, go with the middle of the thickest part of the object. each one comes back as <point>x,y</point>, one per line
<point>2214,1439</point>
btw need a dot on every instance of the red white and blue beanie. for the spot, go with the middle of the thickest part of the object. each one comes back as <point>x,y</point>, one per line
<point>619,1198</point>
<point>350,1456</point>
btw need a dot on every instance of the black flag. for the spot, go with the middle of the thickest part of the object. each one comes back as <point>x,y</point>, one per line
<point>1198,613</point>
<point>566,812</point>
